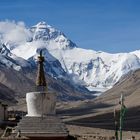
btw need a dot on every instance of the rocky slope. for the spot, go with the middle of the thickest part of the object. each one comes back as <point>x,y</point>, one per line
<point>99,112</point>
<point>128,86</point>
<point>6,95</point>
<point>21,82</point>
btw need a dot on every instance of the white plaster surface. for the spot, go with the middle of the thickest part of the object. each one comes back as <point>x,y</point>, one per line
<point>40,103</point>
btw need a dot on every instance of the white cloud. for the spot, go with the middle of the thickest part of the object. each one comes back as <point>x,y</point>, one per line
<point>14,33</point>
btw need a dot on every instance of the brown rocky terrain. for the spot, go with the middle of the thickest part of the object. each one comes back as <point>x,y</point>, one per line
<point>21,82</point>
<point>98,112</point>
<point>93,119</point>
<point>7,95</point>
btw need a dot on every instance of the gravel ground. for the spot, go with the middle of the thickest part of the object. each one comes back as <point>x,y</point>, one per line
<point>88,133</point>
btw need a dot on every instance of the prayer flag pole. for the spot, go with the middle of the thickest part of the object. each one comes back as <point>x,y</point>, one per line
<point>116,124</point>
<point>122,114</point>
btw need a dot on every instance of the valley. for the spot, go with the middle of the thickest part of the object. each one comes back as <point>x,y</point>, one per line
<point>88,83</point>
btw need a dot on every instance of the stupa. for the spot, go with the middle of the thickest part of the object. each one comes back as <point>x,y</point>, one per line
<point>41,122</point>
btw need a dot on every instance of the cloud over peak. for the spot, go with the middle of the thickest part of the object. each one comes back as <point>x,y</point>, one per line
<point>11,32</point>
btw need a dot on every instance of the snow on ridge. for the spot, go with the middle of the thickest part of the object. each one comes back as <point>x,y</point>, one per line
<point>44,25</point>
<point>95,69</point>
<point>137,53</point>
<point>11,60</point>
<point>98,70</point>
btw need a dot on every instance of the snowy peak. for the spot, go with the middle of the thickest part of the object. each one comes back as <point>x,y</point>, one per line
<point>42,24</point>
<point>44,32</point>
<point>44,37</point>
<point>41,31</point>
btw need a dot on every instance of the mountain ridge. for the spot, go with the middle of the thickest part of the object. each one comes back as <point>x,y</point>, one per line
<point>97,71</point>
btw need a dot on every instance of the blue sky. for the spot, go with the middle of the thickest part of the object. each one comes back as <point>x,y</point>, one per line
<point>106,25</point>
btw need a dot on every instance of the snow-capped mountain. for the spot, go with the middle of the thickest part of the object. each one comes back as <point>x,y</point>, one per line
<point>10,60</point>
<point>94,70</point>
<point>98,70</point>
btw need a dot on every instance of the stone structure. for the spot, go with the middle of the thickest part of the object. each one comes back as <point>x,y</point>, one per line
<point>41,122</point>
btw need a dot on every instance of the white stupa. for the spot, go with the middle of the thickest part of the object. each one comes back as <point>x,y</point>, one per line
<point>41,121</point>
<point>42,102</point>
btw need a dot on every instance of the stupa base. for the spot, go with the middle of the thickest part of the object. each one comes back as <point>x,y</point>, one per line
<point>42,128</point>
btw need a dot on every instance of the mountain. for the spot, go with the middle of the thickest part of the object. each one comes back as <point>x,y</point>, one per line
<point>6,95</point>
<point>22,82</point>
<point>18,75</point>
<point>96,71</point>
<point>128,86</point>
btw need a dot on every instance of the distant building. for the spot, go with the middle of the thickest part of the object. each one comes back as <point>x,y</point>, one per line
<point>3,110</point>
<point>7,98</point>
<point>4,104</point>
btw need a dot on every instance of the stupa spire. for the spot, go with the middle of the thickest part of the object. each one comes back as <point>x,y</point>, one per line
<point>41,81</point>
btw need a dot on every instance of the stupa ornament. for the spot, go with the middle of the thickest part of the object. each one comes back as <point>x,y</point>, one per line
<point>41,81</point>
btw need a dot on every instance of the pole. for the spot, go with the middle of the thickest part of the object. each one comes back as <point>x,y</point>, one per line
<point>116,124</point>
<point>122,113</point>
<point>121,123</point>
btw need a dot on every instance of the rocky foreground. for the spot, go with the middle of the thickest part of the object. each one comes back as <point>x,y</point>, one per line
<point>94,120</point>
